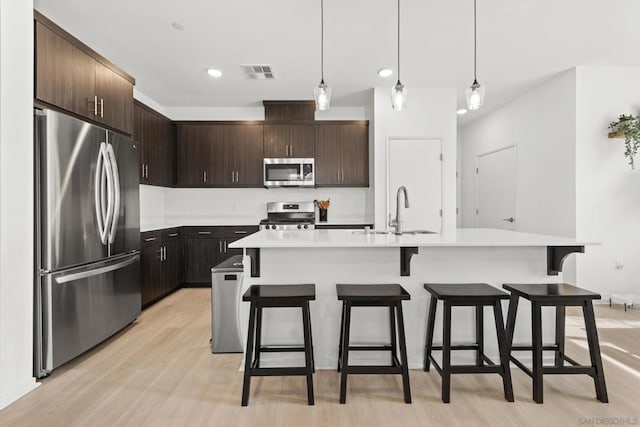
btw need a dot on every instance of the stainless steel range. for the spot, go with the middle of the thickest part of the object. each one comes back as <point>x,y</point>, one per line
<point>289,216</point>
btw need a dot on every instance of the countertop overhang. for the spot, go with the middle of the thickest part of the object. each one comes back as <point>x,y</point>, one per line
<point>462,237</point>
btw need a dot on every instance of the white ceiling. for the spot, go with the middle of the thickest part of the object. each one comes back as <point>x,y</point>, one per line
<point>520,44</point>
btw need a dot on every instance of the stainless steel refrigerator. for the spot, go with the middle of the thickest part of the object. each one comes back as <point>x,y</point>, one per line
<point>88,237</point>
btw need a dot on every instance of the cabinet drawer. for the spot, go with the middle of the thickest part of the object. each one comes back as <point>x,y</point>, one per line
<point>204,232</point>
<point>171,234</point>
<point>238,232</point>
<point>148,238</point>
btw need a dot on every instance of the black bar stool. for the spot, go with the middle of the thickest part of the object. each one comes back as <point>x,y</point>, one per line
<point>558,295</point>
<point>265,296</point>
<point>476,295</point>
<point>373,296</point>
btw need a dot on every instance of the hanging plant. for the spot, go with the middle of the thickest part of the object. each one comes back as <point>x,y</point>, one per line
<point>627,127</point>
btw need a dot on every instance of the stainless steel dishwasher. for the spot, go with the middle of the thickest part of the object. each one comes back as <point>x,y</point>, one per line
<point>226,282</point>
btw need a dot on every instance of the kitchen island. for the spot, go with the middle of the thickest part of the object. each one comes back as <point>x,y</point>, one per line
<point>328,257</point>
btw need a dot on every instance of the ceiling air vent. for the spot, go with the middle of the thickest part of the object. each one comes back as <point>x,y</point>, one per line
<point>258,72</point>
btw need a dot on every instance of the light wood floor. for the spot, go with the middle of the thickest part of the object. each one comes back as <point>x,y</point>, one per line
<point>160,371</point>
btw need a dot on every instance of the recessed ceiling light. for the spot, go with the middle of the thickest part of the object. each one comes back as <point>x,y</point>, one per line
<point>385,72</point>
<point>178,26</point>
<point>214,73</point>
<point>461,111</point>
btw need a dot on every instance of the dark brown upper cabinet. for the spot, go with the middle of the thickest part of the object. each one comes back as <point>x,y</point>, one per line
<point>289,110</point>
<point>157,137</point>
<point>72,77</point>
<point>289,140</point>
<point>342,154</point>
<point>222,154</point>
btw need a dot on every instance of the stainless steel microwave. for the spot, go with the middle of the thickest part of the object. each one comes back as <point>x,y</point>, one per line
<point>289,172</point>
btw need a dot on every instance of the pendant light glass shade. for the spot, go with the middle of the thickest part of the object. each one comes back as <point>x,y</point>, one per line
<point>322,93</point>
<point>399,96</point>
<point>475,95</point>
<point>399,92</point>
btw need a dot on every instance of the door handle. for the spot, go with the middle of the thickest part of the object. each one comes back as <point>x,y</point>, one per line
<point>90,273</point>
<point>204,232</point>
<point>115,177</point>
<point>173,234</point>
<point>237,177</point>
<point>204,176</point>
<point>291,150</point>
<point>101,107</point>
<point>149,239</point>
<point>220,247</point>
<point>225,246</point>
<point>510,219</point>
<point>286,151</point>
<point>240,232</point>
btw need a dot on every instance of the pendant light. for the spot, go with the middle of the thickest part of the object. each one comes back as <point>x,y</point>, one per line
<point>399,92</point>
<point>322,92</point>
<point>475,93</point>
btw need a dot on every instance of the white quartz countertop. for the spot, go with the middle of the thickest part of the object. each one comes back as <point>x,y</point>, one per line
<point>344,221</point>
<point>462,237</point>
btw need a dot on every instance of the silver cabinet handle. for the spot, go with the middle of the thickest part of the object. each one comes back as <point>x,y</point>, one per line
<point>101,107</point>
<point>204,176</point>
<point>165,252</point>
<point>173,234</point>
<point>240,232</point>
<point>95,105</point>
<point>146,171</point>
<point>149,239</point>
<point>220,247</point>
<point>338,173</point>
<point>95,272</point>
<point>204,232</point>
<point>510,219</point>
<point>225,246</point>
<point>286,151</point>
<point>291,150</point>
<point>232,177</point>
<point>237,177</point>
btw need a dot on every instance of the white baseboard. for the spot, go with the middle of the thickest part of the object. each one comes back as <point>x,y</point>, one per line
<point>15,392</point>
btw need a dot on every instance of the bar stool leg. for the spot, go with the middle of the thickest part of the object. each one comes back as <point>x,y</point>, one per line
<point>560,328</point>
<point>504,351</point>
<point>344,307</point>
<point>313,361</point>
<point>403,353</point>
<point>345,352</point>
<point>446,353</point>
<point>431,319</point>
<point>480,334</point>
<point>308,357</point>
<point>594,351</point>
<point>536,335</point>
<point>256,360</point>
<point>246,385</point>
<point>393,335</point>
<point>511,320</point>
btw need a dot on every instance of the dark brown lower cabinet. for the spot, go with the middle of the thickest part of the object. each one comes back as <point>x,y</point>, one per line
<point>161,263</point>
<point>206,247</point>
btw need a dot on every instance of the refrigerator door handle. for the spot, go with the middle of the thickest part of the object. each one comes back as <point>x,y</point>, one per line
<point>110,193</point>
<point>99,194</point>
<point>96,271</point>
<point>115,180</point>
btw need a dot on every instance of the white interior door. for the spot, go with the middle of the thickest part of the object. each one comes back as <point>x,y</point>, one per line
<point>415,163</point>
<point>496,189</point>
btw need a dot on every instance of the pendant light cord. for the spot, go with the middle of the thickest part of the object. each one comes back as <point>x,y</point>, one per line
<point>322,40</point>
<point>399,41</point>
<point>475,45</point>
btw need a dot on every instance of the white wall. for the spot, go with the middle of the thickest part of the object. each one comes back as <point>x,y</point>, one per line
<point>541,123</point>
<point>608,191</point>
<point>430,113</point>
<point>16,199</point>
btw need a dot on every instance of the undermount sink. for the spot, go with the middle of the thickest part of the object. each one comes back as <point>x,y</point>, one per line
<point>411,232</point>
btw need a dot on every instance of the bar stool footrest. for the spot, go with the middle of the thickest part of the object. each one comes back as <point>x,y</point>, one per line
<point>372,369</point>
<point>283,371</point>
<point>280,349</point>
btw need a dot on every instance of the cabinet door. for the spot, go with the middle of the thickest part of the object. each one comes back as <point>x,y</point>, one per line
<point>172,263</point>
<point>276,141</point>
<point>220,163</point>
<point>138,136</point>
<point>54,58</point>
<point>302,141</point>
<point>201,256</point>
<point>151,271</point>
<point>193,155</point>
<point>247,152</point>
<point>167,159</point>
<point>355,155</point>
<point>115,98</point>
<point>328,157</point>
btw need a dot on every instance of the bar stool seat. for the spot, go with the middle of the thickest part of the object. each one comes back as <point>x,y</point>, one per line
<point>373,295</point>
<point>558,295</point>
<point>268,296</point>
<point>476,295</point>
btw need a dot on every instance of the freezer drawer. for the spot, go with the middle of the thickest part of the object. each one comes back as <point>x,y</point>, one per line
<point>81,307</point>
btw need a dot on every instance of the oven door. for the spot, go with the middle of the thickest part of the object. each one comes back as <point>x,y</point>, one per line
<point>289,172</point>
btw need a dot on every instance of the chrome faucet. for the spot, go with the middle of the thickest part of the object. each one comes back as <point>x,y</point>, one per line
<point>397,222</point>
